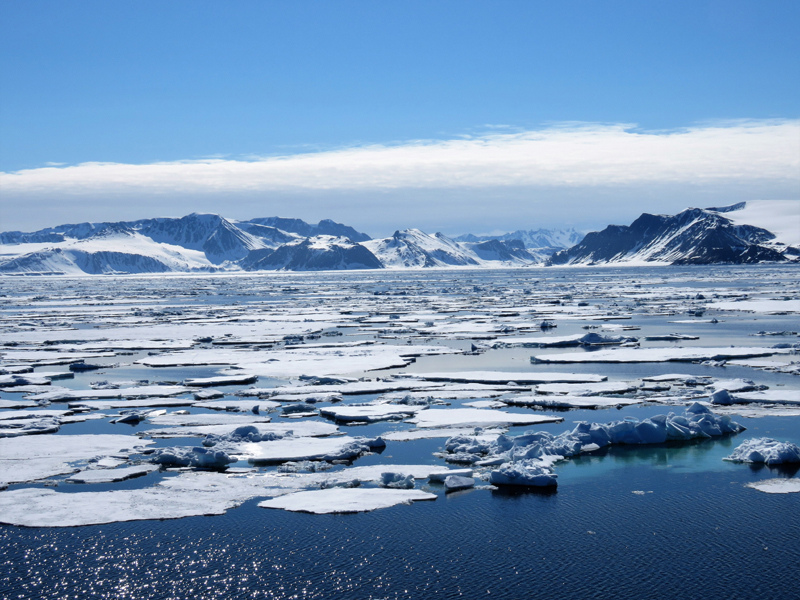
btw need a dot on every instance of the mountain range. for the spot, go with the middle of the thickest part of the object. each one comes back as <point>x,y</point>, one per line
<point>743,233</point>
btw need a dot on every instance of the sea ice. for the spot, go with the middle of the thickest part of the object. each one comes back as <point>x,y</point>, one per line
<point>345,500</point>
<point>586,389</point>
<point>777,486</point>
<point>476,417</point>
<point>232,405</point>
<point>634,355</point>
<point>453,483</point>
<point>236,419</point>
<point>591,402</point>
<point>373,412</point>
<point>303,429</point>
<point>111,475</point>
<point>765,450</point>
<point>31,458</point>
<point>495,377</point>
<point>524,473</point>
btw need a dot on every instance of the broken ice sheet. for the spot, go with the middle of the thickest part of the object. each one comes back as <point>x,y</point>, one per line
<point>345,500</point>
<point>567,401</point>
<point>298,428</point>
<point>476,417</point>
<point>587,389</point>
<point>111,475</point>
<point>32,458</point>
<point>633,355</point>
<point>370,413</point>
<point>502,377</point>
<point>144,391</point>
<point>777,486</point>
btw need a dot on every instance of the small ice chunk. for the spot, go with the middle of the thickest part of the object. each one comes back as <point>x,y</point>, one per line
<point>722,397</point>
<point>777,486</point>
<point>524,473</point>
<point>181,456</point>
<point>456,482</point>
<point>399,481</point>
<point>440,476</point>
<point>765,450</point>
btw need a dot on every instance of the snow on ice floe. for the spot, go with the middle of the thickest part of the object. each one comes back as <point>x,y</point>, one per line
<point>144,391</point>
<point>18,427</point>
<point>634,355</point>
<point>31,414</point>
<point>233,405</point>
<point>32,458</point>
<point>777,486</point>
<point>133,403</point>
<point>111,475</point>
<point>176,420</point>
<point>407,435</point>
<point>303,429</point>
<point>567,401</point>
<point>586,389</point>
<point>185,495</point>
<point>298,448</point>
<point>578,339</point>
<point>221,380</point>
<point>300,361</point>
<point>345,500</point>
<point>758,305</point>
<point>476,417</point>
<point>36,507</point>
<point>370,412</point>
<point>502,377</point>
<point>778,396</point>
<point>765,450</point>
<point>16,404</point>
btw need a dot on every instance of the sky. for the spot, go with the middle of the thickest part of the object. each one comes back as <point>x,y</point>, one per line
<point>452,116</point>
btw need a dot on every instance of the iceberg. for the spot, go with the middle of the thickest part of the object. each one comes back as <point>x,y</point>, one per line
<point>767,451</point>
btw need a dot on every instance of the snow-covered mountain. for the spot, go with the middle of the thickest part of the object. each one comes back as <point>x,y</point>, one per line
<point>510,252</point>
<point>413,248</point>
<point>318,253</point>
<point>532,239</point>
<point>114,249</point>
<point>303,229</point>
<point>694,236</point>
<point>746,232</point>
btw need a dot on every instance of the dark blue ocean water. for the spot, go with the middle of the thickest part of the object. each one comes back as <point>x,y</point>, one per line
<point>697,535</point>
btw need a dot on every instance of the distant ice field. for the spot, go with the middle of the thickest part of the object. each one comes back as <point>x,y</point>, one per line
<point>358,383</point>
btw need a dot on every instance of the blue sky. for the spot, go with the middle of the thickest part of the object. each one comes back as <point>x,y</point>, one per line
<point>138,83</point>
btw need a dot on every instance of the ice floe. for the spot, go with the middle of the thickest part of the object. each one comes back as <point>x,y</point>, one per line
<point>777,486</point>
<point>476,417</point>
<point>32,458</point>
<point>633,355</point>
<point>111,475</point>
<point>345,500</point>
<point>765,450</point>
<point>502,377</point>
<point>371,412</point>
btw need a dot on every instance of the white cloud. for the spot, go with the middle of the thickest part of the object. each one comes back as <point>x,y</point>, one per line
<point>571,156</point>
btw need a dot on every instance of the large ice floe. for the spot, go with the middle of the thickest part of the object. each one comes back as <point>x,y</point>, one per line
<point>346,500</point>
<point>767,451</point>
<point>526,459</point>
<point>32,458</point>
<point>633,355</point>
